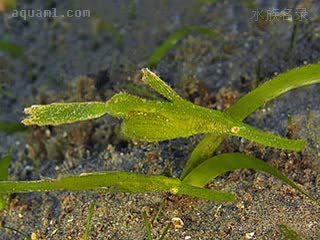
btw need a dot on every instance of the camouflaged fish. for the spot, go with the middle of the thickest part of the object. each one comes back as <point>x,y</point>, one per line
<point>156,120</point>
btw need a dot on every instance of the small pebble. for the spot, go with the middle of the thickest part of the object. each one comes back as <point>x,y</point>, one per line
<point>34,236</point>
<point>177,222</point>
<point>250,235</point>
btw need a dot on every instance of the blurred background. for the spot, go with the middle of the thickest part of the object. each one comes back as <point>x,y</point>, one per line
<point>64,51</point>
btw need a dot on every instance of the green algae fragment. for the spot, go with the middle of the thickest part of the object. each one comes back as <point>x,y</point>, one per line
<point>288,233</point>
<point>115,182</point>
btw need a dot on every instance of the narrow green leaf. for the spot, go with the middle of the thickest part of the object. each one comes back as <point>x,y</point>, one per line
<point>4,166</point>
<point>25,236</point>
<point>211,142</point>
<point>10,127</point>
<point>297,77</point>
<point>214,167</point>
<point>159,211</point>
<point>12,49</point>
<point>288,233</point>
<point>91,209</point>
<point>203,151</point>
<point>115,182</point>
<point>165,231</point>
<point>61,113</point>
<point>211,195</point>
<point>4,173</point>
<point>171,41</point>
<point>147,224</point>
<point>249,103</point>
<point>99,26</point>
